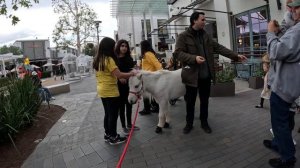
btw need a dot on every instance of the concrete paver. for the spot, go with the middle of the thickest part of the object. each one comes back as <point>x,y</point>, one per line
<point>76,140</point>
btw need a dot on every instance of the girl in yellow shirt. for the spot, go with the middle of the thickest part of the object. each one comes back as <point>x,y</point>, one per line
<point>107,72</point>
<point>149,63</point>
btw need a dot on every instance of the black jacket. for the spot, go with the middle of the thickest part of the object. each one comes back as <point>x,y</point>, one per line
<point>187,49</point>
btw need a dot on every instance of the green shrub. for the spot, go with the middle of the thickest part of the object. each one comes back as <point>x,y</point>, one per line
<point>257,70</point>
<point>226,74</point>
<point>19,104</point>
<point>4,82</point>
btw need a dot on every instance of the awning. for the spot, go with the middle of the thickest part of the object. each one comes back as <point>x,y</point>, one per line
<point>138,7</point>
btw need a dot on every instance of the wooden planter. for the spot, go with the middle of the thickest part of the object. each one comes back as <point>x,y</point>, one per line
<point>256,82</point>
<point>222,89</point>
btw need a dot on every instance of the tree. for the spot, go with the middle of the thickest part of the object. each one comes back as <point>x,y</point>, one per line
<point>14,6</point>
<point>90,49</point>
<point>75,24</point>
<point>11,49</point>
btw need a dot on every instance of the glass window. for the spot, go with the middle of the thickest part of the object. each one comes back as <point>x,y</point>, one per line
<point>148,27</point>
<point>162,32</point>
<point>250,32</point>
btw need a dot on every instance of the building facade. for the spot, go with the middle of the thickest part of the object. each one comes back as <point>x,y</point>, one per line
<point>36,49</point>
<point>237,24</point>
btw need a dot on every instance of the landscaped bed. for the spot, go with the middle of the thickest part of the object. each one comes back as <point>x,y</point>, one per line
<point>25,139</point>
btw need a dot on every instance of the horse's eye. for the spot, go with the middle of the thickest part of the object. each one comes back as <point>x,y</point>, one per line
<point>136,86</point>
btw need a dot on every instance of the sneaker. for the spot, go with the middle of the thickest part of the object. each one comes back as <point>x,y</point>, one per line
<point>106,137</point>
<point>278,163</point>
<point>117,140</point>
<point>294,141</point>
<point>126,131</point>
<point>52,98</point>
<point>135,128</point>
<point>259,106</point>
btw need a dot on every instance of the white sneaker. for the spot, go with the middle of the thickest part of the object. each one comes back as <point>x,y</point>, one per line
<point>52,98</point>
<point>126,131</point>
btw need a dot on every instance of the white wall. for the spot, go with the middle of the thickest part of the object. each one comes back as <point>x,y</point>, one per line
<point>47,49</point>
<point>239,6</point>
<point>275,13</point>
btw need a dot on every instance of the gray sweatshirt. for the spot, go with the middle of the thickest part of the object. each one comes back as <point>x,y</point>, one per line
<point>285,53</point>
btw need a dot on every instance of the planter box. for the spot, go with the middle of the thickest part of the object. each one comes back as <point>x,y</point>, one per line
<point>256,82</point>
<point>222,89</point>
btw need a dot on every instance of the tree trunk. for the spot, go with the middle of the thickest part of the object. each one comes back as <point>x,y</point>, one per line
<point>77,30</point>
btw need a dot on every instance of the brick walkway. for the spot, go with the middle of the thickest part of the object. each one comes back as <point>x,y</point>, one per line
<point>76,140</point>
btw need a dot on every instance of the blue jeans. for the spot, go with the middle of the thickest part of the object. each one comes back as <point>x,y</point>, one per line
<point>280,119</point>
<point>45,93</point>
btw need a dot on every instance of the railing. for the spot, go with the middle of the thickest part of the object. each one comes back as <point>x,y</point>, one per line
<point>246,70</point>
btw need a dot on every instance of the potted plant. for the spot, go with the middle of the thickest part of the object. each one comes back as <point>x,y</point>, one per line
<point>256,80</point>
<point>224,85</point>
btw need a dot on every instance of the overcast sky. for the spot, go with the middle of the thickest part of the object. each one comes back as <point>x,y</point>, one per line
<point>39,21</point>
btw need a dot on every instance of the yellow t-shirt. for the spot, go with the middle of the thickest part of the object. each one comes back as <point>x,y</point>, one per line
<point>106,82</point>
<point>150,62</point>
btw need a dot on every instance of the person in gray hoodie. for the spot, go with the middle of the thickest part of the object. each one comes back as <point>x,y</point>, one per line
<point>285,53</point>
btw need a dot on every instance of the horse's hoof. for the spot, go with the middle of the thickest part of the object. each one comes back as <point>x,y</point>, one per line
<point>158,130</point>
<point>167,125</point>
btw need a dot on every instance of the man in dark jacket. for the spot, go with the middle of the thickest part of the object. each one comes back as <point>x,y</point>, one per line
<point>195,51</point>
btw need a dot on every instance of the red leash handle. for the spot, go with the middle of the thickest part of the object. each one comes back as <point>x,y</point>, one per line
<point>129,138</point>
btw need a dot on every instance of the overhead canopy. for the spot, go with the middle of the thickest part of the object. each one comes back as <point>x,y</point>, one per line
<point>138,7</point>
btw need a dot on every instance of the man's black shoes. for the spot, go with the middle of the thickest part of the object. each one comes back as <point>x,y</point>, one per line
<point>278,163</point>
<point>206,128</point>
<point>187,129</point>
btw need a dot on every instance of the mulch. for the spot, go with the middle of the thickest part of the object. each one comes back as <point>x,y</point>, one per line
<point>46,118</point>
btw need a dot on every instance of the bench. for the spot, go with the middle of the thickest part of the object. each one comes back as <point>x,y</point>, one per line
<point>59,88</point>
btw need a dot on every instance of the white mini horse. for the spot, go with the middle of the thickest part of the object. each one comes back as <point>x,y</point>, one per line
<point>163,85</point>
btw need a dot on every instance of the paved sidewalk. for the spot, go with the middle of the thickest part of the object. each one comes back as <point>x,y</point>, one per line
<point>76,140</point>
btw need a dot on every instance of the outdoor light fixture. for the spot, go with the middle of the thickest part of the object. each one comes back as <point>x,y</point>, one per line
<point>97,23</point>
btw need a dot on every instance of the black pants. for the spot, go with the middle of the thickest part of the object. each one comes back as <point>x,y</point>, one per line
<point>190,98</point>
<point>150,102</point>
<point>111,108</point>
<point>124,91</point>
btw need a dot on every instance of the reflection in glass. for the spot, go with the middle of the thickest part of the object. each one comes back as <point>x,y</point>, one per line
<point>250,32</point>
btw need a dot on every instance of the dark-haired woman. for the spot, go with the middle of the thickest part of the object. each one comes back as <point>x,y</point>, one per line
<point>149,63</point>
<point>107,72</point>
<point>125,65</point>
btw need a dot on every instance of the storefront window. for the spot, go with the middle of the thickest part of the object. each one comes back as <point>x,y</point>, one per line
<point>148,27</point>
<point>162,32</point>
<point>250,32</point>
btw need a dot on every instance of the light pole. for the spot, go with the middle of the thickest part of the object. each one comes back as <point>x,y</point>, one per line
<point>97,23</point>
